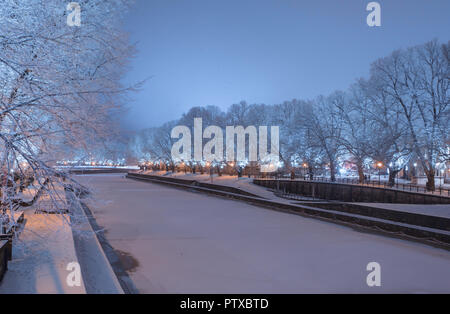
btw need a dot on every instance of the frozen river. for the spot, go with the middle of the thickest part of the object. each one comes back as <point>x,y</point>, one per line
<point>187,242</point>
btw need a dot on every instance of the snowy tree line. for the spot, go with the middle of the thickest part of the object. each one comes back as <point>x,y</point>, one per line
<point>59,88</point>
<point>398,114</point>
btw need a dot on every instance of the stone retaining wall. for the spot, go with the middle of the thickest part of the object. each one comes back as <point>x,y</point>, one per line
<point>352,193</point>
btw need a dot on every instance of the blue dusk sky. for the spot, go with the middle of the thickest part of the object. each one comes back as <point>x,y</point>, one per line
<point>219,52</point>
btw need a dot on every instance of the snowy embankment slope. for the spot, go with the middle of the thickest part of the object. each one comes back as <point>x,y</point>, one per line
<point>192,243</point>
<point>98,275</point>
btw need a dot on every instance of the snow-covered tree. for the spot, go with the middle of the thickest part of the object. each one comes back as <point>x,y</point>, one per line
<point>59,85</point>
<point>417,82</point>
<point>324,121</point>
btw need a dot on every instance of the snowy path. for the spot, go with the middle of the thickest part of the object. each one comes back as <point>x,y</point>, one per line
<point>41,258</point>
<point>193,243</point>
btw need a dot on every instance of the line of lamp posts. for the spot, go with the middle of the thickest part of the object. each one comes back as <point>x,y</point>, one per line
<point>226,168</point>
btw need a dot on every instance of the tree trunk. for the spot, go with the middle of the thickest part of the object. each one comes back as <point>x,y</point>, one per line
<point>392,175</point>
<point>332,172</point>
<point>430,183</point>
<point>360,172</point>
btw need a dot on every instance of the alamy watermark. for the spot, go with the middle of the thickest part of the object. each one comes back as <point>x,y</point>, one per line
<point>73,279</point>
<point>74,16</point>
<point>235,142</point>
<point>374,17</point>
<point>374,277</point>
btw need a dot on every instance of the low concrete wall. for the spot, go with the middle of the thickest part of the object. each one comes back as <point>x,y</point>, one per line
<point>98,171</point>
<point>218,187</point>
<point>352,193</point>
<point>416,219</point>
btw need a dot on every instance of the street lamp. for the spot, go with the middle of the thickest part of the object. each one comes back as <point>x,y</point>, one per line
<point>379,165</point>
<point>305,165</point>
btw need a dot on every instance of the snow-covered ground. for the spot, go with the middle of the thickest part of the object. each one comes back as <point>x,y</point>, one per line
<point>188,242</point>
<point>43,251</point>
<point>41,257</point>
<point>47,244</point>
